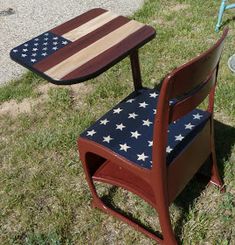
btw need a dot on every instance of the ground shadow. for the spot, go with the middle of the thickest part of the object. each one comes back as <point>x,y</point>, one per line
<point>225,140</point>
<point>226,22</point>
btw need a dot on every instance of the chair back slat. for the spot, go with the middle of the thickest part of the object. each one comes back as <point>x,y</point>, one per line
<point>192,74</point>
<point>191,101</point>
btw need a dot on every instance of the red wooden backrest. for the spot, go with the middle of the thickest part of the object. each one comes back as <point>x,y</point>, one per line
<point>189,84</point>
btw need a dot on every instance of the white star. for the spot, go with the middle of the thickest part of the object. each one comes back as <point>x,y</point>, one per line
<point>15,50</point>
<point>104,122</point>
<point>34,54</point>
<point>64,42</point>
<point>55,38</point>
<point>143,104</point>
<point>36,39</point>
<point>91,133</point>
<point>46,34</point>
<point>153,95</point>
<point>132,115</point>
<point>150,143</point>
<point>26,45</point>
<point>135,134</point>
<point>120,126</point>
<point>107,139</point>
<point>44,54</point>
<point>33,60</point>
<point>179,137</point>
<point>154,111</point>
<point>189,126</point>
<point>46,38</point>
<point>130,100</point>
<point>54,43</point>
<point>44,48</point>
<point>147,123</point>
<point>55,48</point>
<point>117,111</point>
<point>24,55</point>
<point>141,157</point>
<point>25,49</point>
<point>171,102</point>
<point>197,116</point>
<point>124,147</point>
<point>35,44</point>
<point>35,49</point>
<point>45,44</point>
<point>169,149</point>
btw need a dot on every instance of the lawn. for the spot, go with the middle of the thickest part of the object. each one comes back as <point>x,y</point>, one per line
<point>44,198</point>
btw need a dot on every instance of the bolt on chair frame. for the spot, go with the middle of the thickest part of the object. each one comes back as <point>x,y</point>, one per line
<point>159,186</point>
<point>223,7</point>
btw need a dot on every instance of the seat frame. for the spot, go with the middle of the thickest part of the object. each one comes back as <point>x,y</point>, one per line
<point>161,184</point>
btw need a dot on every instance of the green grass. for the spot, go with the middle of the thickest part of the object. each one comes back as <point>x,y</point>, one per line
<point>44,198</point>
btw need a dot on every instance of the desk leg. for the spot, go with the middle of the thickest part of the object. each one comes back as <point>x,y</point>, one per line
<point>135,66</point>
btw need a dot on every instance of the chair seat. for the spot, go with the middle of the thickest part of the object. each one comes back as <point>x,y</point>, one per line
<point>127,129</point>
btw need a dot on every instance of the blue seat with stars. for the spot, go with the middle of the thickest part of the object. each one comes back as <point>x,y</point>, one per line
<point>127,129</point>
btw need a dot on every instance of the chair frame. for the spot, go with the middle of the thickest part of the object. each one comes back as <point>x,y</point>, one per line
<point>160,185</point>
<point>223,7</point>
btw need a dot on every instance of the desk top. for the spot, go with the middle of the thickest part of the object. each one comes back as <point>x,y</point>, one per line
<point>83,47</point>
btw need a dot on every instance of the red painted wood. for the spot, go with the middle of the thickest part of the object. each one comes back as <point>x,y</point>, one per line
<point>113,55</point>
<point>77,21</point>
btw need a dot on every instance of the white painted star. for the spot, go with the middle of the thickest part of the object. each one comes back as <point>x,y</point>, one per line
<point>179,137</point>
<point>44,54</point>
<point>36,39</point>
<point>25,49</point>
<point>44,48</point>
<point>135,134</point>
<point>64,42</point>
<point>46,38</point>
<point>54,43</point>
<point>91,133</point>
<point>26,45</point>
<point>35,44</point>
<point>169,149</point>
<point>107,139</point>
<point>35,49</point>
<point>55,48</point>
<point>33,60</point>
<point>124,147</point>
<point>24,55</point>
<point>153,95</point>
<point>104,122</point>
<point>130,100</point>
<point>189,126</point>
<point>197,116</point>
<point>15,50</point>
<point>150,143</point>
<point>154,111</point>
<point>45,44</point>
<point>171,102</point>
<point>55,38</point>
<point>120,126</point>
<point>117,111</point>
<point>34,54</point>
<point>147,123</point>
<point>143,104</point>
<point>46,34</point>
<point>133,115</point>
<point>141,157</point>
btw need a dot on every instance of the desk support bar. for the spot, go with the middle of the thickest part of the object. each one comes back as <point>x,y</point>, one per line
<point>135,66</point>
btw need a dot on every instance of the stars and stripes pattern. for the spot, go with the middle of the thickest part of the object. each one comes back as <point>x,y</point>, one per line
<point>127,129</point>
<point>83,46</point>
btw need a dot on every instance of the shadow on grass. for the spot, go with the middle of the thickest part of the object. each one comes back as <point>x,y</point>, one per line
<point>225,140</point>
<point>225,23</point>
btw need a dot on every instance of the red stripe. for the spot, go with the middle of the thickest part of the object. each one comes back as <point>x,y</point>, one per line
<point>80,44</point>
<point>77,21</point>
<point>112,55</point>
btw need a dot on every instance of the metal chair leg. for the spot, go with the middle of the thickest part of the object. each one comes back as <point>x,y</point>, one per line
<point>220,15</point>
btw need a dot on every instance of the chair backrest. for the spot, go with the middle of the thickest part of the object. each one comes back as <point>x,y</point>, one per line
<point>188,86</point>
